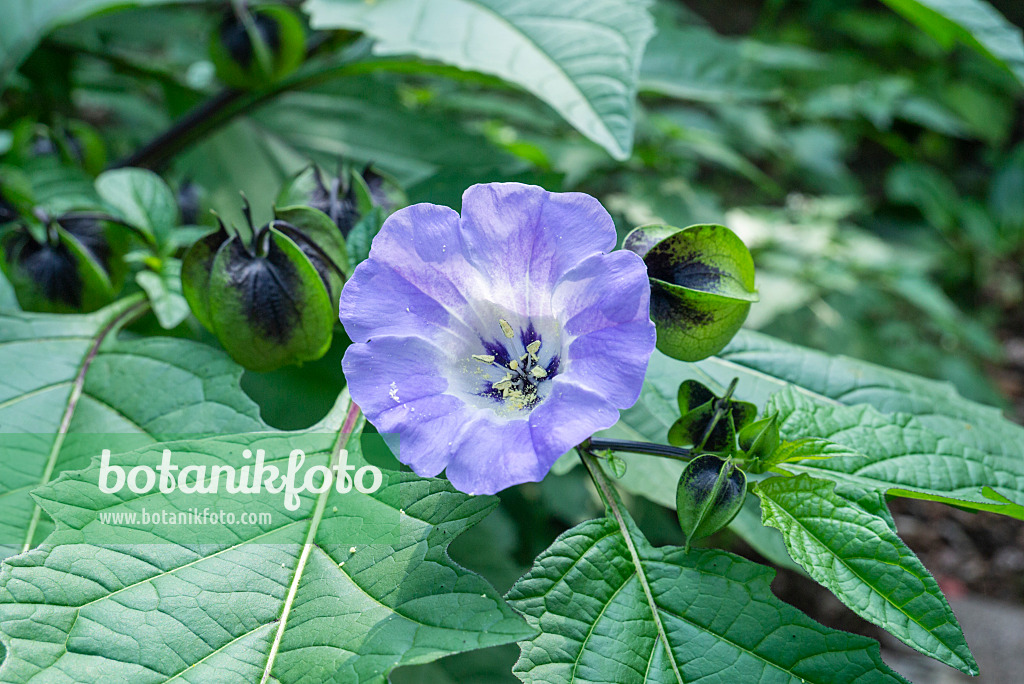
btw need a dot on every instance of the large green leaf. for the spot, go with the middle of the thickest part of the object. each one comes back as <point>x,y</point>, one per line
<point>579,56</point>
<point>342,589</point>
<point>694,63</point>
<point>900,454</point>
<point>66,377</point>
<point>26,22</point>
<point>615,610</point>
<point>142,198</point>
<point>972,22</point>
<point>849,544</point>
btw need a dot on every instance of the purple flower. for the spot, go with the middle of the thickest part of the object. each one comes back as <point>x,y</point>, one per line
<point>494,342</point>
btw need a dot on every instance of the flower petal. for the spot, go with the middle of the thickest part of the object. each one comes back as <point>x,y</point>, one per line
<point>605,305</point>
<point>421,245</point>
<point>524,238</point>
<point>378,300</point>
<point>568,416</point>
<point>399,385</point>
<point>495,454</point>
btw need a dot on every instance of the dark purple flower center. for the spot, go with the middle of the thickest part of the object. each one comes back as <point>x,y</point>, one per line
<point>522,366</point>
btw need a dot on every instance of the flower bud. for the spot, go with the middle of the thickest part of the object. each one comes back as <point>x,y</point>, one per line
<point>709,495</point>
<point>258,48</point>
<point>702,286</point>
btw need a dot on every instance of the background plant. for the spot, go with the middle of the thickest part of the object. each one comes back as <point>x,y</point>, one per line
<point>870,159</point>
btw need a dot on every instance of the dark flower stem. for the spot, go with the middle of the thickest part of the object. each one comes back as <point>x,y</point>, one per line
<point>648,448</point>
<point>213,113</point>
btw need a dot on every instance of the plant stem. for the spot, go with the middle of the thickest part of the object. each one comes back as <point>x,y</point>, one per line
<point>213,113</point>
<point>607,491</point>
<point>648,448</point>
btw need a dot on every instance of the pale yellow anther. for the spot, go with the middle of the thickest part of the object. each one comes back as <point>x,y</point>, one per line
<point>505,328</point>
<point>513,364</point>
<point>533,347</point>
<point>484,358</point>
<point>538,372</point>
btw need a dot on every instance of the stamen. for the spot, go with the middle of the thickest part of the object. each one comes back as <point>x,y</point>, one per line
<point>513,364</point>
<point>538,372</point>
<point>484,358</point>
<point>505,328</point>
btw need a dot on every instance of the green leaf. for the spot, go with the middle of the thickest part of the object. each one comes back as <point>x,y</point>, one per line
<point>65,377</point>
<point>164,292</point>
<point>962,431</point>
<point>580,56</point>
<point>143,200</point>
<point>851,547</point>
<point>615,610</point>
<point>974,23</point>
<point>901,454</point>
<point>716,69</point>
<point>26,22</point>
<point>343,589</point>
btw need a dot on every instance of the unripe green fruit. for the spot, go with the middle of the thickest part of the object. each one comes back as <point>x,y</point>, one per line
<point>76,268</point>
<point>709,495</point>
<point>274,301</point>
<point>262,48</point>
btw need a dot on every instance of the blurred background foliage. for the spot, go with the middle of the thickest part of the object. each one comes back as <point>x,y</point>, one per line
<point>875,169</point>
<point>877,173</point>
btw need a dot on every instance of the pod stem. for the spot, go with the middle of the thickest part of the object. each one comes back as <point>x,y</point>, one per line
<point>649,448</point>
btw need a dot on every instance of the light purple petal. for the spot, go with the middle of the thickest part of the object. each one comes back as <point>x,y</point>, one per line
<point>604,303</point>
<point>418,255</point>
<point>524,238</point>
<point>495,454</point>
<point>568,416</point>
<point>378,301</point>
<point>398,383</point>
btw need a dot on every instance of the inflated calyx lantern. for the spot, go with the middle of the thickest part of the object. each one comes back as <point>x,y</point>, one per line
<point>253,48</point>
<point>270,297</point>
<point>702,286</point>
<point>63,265</point>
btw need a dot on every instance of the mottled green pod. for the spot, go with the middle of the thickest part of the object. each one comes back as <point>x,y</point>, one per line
<point>709,495</point>
<point>702,286</point>
<point>697,426</point>
<point>76,267</point>
<point>268,303</point>
<point>256,49</point>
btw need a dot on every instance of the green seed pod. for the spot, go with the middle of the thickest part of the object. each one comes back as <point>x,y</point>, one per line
<point>702,286</point>
<point>346,198</point>
<point>272,302</point>
<point>760,439</point>
<point>698,426</point>
<point>75,143</point>
<point>256,49</point>
<point>709,495</point>
<point>75,267</point>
